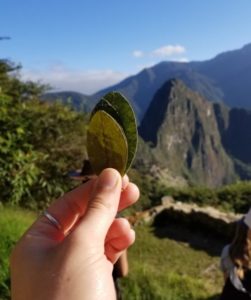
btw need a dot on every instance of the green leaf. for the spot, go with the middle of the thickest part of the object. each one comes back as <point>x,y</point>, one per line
<point>119,108</point>
<point>106,143</point>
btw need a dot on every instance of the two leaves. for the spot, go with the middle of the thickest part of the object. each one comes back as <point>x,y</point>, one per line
<point>112,134</point>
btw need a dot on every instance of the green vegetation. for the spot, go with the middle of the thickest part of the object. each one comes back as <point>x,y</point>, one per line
<point>13,223</point>
<point>39,143</point>
<point>231,198</point>
<point>234,197</point>
<point>151,191</point>
<point>166,269</point>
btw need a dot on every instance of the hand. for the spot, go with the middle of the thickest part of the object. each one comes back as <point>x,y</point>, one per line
<point>76,262</point>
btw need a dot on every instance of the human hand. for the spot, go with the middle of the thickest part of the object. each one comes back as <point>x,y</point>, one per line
<point>76,262</point>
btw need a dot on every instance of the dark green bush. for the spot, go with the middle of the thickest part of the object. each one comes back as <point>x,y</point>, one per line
<point>234,197</point>
<point>39,144</point>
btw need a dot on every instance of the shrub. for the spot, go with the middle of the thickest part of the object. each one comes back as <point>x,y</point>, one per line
<point>39,144</point>
<point>234,197</point>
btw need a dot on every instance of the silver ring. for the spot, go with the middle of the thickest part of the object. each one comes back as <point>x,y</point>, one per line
<point>52,220</point>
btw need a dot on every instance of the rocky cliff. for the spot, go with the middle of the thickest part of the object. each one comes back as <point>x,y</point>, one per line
<point>182,129</point>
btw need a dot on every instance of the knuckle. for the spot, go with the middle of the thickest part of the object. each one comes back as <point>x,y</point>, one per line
<point>100,203</point>
<point>73,207</point>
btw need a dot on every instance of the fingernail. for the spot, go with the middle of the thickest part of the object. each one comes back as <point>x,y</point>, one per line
<point>125,181</point>
<point>108,179</point>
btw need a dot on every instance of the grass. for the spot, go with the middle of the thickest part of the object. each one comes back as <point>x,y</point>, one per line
<point>13,223</point>
<point>163,265</point>
<point>162,268</point>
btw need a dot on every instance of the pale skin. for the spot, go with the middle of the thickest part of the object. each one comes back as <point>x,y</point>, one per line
<point>76,262</point>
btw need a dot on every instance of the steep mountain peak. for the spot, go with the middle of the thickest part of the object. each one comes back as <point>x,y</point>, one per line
<point>156,112</point>
<point>183,130</point>
<point>171,91</point>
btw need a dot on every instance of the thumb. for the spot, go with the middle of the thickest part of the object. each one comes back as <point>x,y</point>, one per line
<point>102,207</point>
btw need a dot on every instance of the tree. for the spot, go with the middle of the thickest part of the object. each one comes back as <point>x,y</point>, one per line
<point>39,142</point>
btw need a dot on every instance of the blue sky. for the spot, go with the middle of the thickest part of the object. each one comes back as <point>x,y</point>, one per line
<point>86,45</point>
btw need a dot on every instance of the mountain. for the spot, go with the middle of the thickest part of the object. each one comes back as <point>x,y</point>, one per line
<point>204,141</point>
<point>197,125</point>
<point>141,88</point>
<point>79,101</point>
<point>235,129</point>
<point>227,77</point>
<point>231,71</point>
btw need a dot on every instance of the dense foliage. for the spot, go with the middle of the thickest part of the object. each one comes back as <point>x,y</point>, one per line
<point>234,197</point>
<point>39,143</point>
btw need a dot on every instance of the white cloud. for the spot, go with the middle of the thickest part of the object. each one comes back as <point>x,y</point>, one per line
<point>85,81</point>
<point>179,59</point>
<point>138,53</point>
<point>182,59</point>
<point>168,50</point>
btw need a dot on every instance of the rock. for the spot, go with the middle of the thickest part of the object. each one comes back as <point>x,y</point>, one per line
<point>167,200</point>
<point>207,218</point>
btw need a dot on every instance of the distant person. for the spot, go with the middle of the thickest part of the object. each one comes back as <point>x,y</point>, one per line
<point>70,251</point>
<point>236,263</point>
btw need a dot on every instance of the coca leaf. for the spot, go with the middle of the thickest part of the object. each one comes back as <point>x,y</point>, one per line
<point>119,108</point>
<point>106,143</point>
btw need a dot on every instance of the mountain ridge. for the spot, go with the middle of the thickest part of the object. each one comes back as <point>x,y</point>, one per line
<point>225,77</point>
